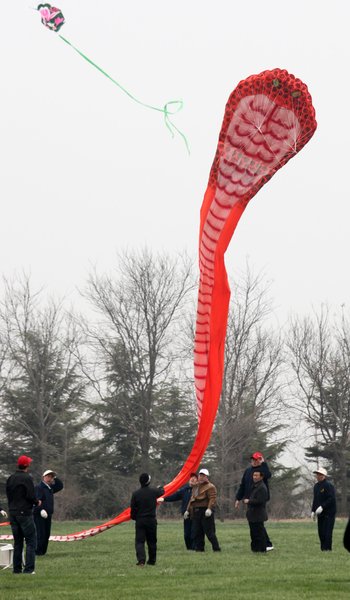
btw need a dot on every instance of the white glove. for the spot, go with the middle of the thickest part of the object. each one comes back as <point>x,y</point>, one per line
<point>186,514</point>
<point>319,510</point>
<point>43,513</point>
<point>3,513</point>
<point>312,515</point>
<point>160,500</point>
<point>208,512</point>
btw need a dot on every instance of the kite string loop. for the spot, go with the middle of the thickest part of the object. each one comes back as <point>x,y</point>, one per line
<point>165,110</point>
<point>170,125</point>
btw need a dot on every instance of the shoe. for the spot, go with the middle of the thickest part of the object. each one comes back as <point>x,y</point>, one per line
<point>140,563</point>
<point>150,562</point>
<point>269,548</point>
<point>29,572</point>
<point>216,549</point>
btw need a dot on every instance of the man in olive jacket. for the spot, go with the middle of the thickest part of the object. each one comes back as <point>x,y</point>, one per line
<point>256,512</point>
<point>201,510</point>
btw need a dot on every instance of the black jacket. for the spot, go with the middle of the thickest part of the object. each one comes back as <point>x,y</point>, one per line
<point>45,493</point>
<point>184,494</point>
<point>256,507</point>
<point>324,495</point>
<point>246,485</point>
<point>20,494</point>
<point>346,539</point>
<point>144,502</point>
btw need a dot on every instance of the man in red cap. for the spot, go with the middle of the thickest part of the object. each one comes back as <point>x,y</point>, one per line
<point>257,463</point>
<point>21,498</point>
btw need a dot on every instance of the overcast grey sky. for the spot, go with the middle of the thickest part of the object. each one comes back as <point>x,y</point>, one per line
<point>86,172</point>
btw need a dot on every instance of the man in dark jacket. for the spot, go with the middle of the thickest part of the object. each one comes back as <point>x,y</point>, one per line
<point>256,512</point>
<point>324,508</point>
<point>49,485</point>
<point>346,538</point>
<point>184,494</point>
<point>21,499</point>
<point>245,488</point>
<point>143,506</point>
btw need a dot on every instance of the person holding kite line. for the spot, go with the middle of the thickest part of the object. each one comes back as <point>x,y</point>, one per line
<point>143,506</point>
<point>201,510</point>
<point>184,494</point>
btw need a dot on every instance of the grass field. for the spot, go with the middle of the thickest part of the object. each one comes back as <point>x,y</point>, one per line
<point>104,567</point>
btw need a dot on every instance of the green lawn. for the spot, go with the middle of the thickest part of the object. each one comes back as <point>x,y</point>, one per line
<point>104,567</point>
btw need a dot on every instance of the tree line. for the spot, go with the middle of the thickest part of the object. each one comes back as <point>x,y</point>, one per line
<point>102,396</point>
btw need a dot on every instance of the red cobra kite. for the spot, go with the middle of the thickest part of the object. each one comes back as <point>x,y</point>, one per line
<point>268,118</point>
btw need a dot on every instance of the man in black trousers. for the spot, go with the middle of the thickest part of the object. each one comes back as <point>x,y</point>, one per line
<point>256,512</point>
<point>257,463</point>
<point>184,494</point>
<point>49,485</point>
<point>143,511</point>
<point>21,499</point>
<point>324,508</point>
<point>201,509</point>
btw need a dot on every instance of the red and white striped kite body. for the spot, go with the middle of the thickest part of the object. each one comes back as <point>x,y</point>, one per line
<point>268,119</point>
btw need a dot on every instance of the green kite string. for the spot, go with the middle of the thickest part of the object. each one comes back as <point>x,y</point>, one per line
<point>176,105</point>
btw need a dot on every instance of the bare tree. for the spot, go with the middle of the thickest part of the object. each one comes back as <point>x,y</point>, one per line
<point>42,393</point>
<point>320,357</point>
<point>140,311</point>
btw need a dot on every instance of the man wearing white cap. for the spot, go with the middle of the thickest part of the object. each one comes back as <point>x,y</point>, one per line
<point>201,511</point>
<point>44,491</point>
<point>324,508</point>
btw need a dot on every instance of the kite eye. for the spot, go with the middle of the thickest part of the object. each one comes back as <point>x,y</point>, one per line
<point>276,83</point>
<point>296,93</point>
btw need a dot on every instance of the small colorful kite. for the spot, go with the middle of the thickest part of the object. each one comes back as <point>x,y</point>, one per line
<point>268,119</point>
<point>53,19</point>
<point>51,16</point>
